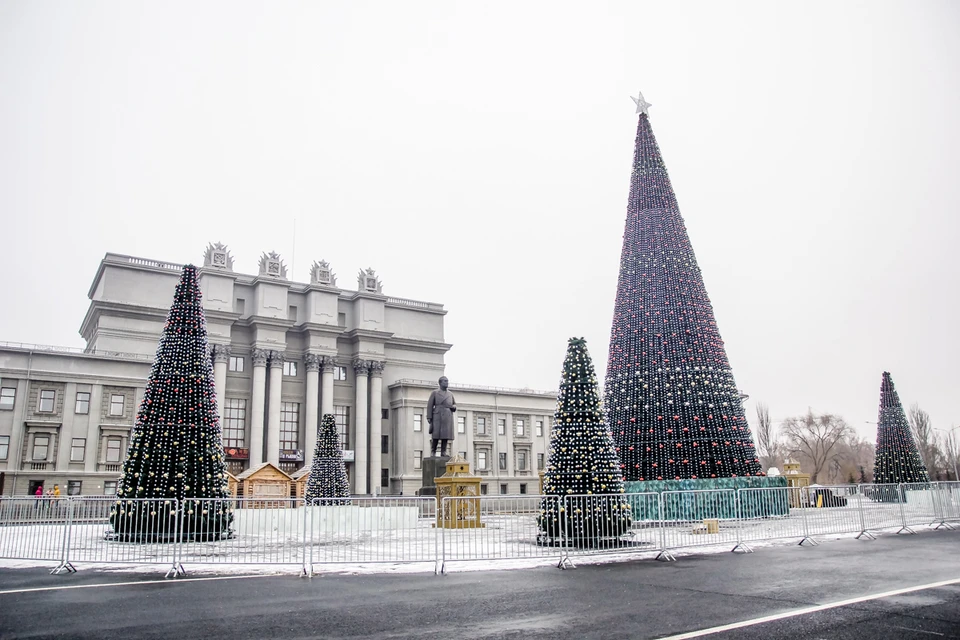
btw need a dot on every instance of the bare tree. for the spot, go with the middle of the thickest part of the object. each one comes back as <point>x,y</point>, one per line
<point>816,438</point>
<point>926,440</point>
<point>768,448</point>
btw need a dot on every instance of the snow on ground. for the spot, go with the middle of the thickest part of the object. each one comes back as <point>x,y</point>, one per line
<point>269,543</point>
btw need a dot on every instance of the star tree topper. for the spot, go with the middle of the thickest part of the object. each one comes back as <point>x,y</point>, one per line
<point>642,105</point>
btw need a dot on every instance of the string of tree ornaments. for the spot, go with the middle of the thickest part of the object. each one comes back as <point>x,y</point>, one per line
<point>327,483</point>
<point>673,406</point>
<point>582,477</point>
<point>176,449</point>
<point>898,459</point>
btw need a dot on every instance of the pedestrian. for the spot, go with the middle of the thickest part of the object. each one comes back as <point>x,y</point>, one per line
<point>39,495</point>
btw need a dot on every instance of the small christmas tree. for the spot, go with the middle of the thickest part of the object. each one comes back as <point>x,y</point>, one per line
<point>582,469</point>
<point>898,459</point>
<point>327,484</point>
<point>176,449</point>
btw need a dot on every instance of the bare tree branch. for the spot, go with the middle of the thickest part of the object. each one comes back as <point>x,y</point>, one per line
<point>816,439</point>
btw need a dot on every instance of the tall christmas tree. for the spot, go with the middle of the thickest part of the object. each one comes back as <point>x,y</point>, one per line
<point>328,482</point>
<point>176,449</point>
<point>582,468</point>
<point>673,406</point>
<point>898,459</point>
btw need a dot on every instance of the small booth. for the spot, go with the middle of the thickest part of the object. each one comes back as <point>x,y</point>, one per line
<point>265,487</point>
<point>300,478</point>
<point>233,485</point>
<point>796,483</point>
<point>458,483</point>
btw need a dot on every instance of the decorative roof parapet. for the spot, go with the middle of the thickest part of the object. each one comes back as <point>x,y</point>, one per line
<point>321,273</point>
<point>218,256</point>
<point>367,280</point>
<point>272,266</point>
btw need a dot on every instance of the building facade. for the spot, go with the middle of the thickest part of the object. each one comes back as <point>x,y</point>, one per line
<point>284,353</point>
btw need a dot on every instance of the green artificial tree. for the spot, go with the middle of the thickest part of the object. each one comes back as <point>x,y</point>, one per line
<point>898,459</point>
<point>583,481</point>
<point>327,483</point>
<point>174,476</point>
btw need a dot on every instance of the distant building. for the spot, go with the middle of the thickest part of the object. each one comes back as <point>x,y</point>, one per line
<point>284,353</point>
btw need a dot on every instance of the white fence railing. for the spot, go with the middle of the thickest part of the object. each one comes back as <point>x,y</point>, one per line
<point>358,531</point>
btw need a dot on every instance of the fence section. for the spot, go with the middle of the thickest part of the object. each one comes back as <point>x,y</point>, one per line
<point>33,528</point>
<point>698,518</point>
<point>370,530</point>
<point>831,509</point>
<point>770,513</point>
<point>949,496</point>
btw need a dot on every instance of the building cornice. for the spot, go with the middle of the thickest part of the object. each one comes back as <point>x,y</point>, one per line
<point>503,391</point>
<point>315,328</point>
<point>252,321</point>
<point>356,335</point>
<point>428,346</point>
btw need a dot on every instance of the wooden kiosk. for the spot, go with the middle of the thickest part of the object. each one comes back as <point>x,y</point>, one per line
<point>265,487</point>
<point>796,481</point>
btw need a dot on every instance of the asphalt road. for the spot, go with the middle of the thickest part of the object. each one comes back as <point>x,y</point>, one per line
<point>641,599</point>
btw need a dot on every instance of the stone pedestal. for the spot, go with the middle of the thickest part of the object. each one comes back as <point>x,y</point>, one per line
<point>432,468</point>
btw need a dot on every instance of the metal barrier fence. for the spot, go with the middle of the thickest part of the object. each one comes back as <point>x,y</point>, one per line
<point>369,530</point>
<point>102,530</point>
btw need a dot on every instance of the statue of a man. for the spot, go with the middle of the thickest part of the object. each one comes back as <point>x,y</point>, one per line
<point>440,409</point>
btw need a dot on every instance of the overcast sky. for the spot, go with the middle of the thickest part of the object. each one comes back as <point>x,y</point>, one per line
<point>478,154</point>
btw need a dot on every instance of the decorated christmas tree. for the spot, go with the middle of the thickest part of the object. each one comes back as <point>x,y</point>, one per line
<point>674,409</point>
<point>898,459</point>
<point>176,450</point>
<point>582,467</point>
<point>328,483</point>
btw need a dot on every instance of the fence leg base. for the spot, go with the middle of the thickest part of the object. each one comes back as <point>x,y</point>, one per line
<point>813,543</point>
<point>566,563</point>
<point>742,547</point>
<point>865,534</point>
<point>944,524</point>
<point>666,556</point>
<point>63,566</point>
<point>908,530</point>
<point>175,571</point>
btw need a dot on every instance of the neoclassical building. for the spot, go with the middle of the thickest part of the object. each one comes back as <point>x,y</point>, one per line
<point>284,353</point>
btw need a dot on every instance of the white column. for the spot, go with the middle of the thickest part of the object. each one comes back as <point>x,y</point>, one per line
<point>326,384</point>
<point>256,407</point>
<point>221,355</point>
<point>361,465</point>
<point>273,409</point>
<point>376,424</point>
<point>313,391</point>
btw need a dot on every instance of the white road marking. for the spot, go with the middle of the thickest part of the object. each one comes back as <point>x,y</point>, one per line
<point>806,610</point>
<point>127,584</point>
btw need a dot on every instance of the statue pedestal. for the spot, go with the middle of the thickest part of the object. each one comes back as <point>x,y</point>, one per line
<point>432,468</point>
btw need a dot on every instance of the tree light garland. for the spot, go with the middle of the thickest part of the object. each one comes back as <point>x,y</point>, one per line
<point>898,458</point>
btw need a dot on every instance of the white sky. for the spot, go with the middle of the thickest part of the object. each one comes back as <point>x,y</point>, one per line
<point>479,154</point>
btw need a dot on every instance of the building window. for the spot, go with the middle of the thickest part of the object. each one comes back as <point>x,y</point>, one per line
<point>417,458</point>
<point>418,422</point>
<point>483,489</point>
<point>461,424</point>
<point>540,461</point>
<point>342,416</point>
<point>292,313</point>
<point>503,489</point>
<point>239,306</point>
<point>339,373</point>
<point>523,488</point>
<point>384,444</point>
<point>521,428</point>
<point>385,478</point>
<point>501,426</point>
<point>109,487</point>
<point>384,414</point>
<point>234,422</point>
<point>521,460</point>
<point>539,428</point>
<point>503,461</point>
<point>7,394</point>
<point>82,405</point>
<point>116,404</point>
<point>481,460</point>
<point>481,426</point>
<point>41,445</point>
<point>289,425</point>
<point>113,450</point>
<point>290,369</point>
<point>73,487</point>
<point>4,447</point>
<point>77,448</point>
<point>47,398</point>
<point>235,364</point>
